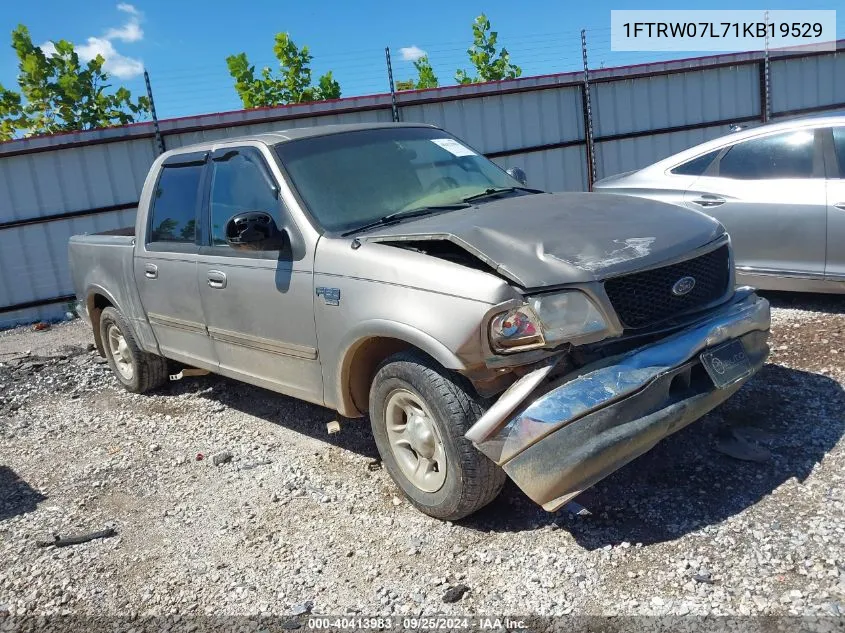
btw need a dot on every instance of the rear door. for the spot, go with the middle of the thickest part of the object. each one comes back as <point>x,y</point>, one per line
<point>835,266</point>
<point>769,192</point>
<point>166,264</point>
<point>258,305</point>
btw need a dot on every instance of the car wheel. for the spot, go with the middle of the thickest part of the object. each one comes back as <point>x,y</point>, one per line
<point>419,414</point>
<point>135,369</point>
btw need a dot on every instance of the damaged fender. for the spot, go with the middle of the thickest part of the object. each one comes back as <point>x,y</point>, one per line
<point>593,421</point>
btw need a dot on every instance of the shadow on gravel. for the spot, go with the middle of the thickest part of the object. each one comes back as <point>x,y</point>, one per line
<point>684,484</point>
<point>296,415</point>
<point>16,496</point>
<point>812,302</point>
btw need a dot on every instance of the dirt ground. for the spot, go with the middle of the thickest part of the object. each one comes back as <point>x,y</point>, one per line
<point>300,521</point>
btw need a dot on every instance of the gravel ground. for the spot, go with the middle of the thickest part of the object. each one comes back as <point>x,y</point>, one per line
<point>302,521</point>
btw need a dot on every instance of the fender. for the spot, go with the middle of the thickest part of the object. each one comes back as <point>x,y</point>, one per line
<point>90,291</point>
<point>387,329</point>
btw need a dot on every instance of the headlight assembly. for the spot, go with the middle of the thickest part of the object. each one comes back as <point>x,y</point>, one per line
<point>567,315</point>
<point>545,321</point>
<point>516,330</point>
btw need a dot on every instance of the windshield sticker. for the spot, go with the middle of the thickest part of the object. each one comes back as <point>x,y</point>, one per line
<point>453,147</point>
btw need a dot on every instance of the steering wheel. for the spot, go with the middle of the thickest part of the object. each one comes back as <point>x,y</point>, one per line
<point>443,183</point>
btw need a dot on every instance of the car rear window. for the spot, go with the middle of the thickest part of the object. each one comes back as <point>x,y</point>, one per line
<point>175,204</point>
<point>785,155</point>
<point>697,166</point>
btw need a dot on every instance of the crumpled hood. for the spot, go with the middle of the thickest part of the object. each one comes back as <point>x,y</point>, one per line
<point>552,239</point>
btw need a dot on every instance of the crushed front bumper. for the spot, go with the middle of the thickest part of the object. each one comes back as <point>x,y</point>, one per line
<point>588,424</point>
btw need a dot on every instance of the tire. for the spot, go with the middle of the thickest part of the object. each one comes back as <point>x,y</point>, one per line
<point>135,369</point>
<point>420,411</point>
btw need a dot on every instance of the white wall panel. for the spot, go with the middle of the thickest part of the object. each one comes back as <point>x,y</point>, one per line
<point>650,103</point>
<point>43,176</point>
<point>563,169</point>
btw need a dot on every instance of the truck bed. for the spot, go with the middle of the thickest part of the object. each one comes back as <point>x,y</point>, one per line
<point>103,264</point>
<point>126,230</point>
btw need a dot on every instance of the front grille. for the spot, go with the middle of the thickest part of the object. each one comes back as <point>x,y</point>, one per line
<point>646,298</point>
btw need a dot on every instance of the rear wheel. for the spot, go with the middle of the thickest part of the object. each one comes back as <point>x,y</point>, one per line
<point>420,412</point>
<point>135,369</point>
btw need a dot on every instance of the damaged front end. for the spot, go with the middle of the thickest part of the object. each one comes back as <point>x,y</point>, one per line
<point>555,437</point>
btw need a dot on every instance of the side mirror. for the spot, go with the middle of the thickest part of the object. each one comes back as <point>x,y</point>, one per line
<point>254,230</point>
<point>518,174</point>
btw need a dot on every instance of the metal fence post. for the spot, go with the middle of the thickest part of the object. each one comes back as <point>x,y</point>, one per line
<point>766,106</point>
<point>588,115</point>
<point>159,139</point>
<point>394,107</point>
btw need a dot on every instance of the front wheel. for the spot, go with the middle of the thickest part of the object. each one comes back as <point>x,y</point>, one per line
<point>135,369</point>
<point>419,414</point>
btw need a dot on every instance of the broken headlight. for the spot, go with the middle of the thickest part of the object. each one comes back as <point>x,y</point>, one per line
<point>516,330</point>
<point>546,320</point>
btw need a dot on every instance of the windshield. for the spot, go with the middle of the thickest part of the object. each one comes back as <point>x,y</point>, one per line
<point>354,178</point>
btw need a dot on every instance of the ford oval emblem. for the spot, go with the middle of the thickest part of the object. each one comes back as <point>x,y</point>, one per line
<point>683,286</point>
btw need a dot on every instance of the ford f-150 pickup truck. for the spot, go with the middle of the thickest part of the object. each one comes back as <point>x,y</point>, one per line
<point>390,270</point>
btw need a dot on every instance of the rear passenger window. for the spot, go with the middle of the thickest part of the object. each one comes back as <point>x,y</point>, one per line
<point>786,155</point>
<point>175,204</point>
<point>839,147</point>
<point>696,166</point>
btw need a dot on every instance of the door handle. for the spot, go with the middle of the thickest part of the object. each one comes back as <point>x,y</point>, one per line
<point>709,201</point>
<point>216,279</point>
<point>150,271</point>
<point>840,205</point>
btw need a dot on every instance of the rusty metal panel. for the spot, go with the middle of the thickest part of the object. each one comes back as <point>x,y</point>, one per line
<point>497,123</point>
<point>661,101</point>
<point>614,157</point>
<point>809,82</point>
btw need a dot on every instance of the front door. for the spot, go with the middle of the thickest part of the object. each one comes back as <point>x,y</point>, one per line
<point>258,305</point>
<point>166,264</point>
<point>769,192</point>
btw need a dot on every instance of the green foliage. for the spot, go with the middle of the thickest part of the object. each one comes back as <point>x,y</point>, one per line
<point>293,85</point>
<point>189,231</point>
<point>60,94</point>
<point>327,88</point>
<point>490,65</point>
<point>165,231</point>
<point>425,76</point>
<point>11,113</point>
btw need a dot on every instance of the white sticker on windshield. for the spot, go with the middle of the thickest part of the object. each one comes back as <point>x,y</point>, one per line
<point>453,147</point>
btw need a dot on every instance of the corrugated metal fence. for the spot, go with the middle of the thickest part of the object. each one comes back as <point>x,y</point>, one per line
<point>57,186</point>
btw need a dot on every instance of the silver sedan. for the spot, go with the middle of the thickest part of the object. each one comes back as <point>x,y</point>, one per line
<point>779,189</point>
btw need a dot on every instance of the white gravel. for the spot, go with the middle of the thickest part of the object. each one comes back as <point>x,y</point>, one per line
<point>299,520</point>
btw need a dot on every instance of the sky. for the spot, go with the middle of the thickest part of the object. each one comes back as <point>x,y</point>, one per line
<point>183,43</point>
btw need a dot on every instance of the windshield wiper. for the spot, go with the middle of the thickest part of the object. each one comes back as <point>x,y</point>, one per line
<point>496,191</point>
<point>417,212</point>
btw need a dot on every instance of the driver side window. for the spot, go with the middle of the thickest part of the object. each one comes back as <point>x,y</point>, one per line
<point>238,184</point>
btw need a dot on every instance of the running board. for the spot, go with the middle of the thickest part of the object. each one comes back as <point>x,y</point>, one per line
<point>189,371</point>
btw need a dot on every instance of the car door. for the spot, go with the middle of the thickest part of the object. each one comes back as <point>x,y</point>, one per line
<point>166,263</point>
<point>258,305</point>
<point>769,192</point>
<point>835,265</point>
